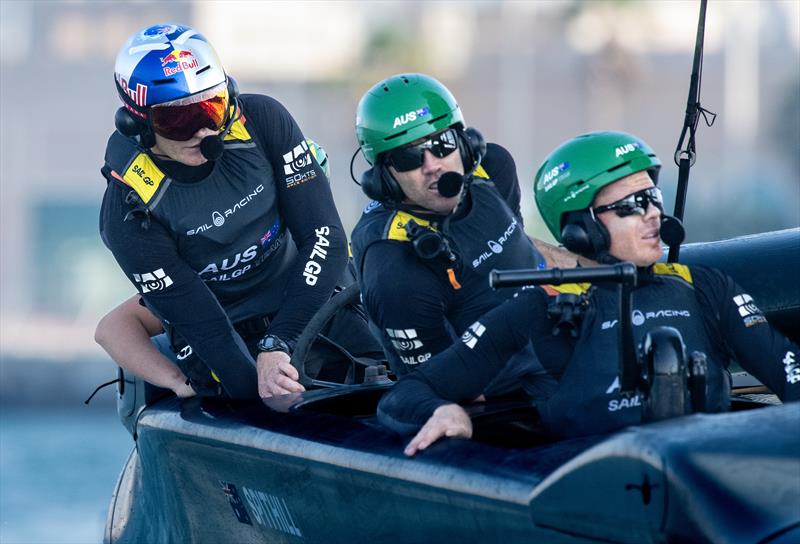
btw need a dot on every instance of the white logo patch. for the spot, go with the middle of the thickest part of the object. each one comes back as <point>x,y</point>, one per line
<point>404,339</point>
<point>371,206</point>
<point>217,219</point>
<point>313,268</point>
<point>496,247</point>
<point>746,305</point>
<point>297,159</point>
<point>750,313</point>
<point>791,368</point>
<point>608,324</point>
<point>615,405</point>
<point>550,178</point>
<point>410,116</point>
<point>153,281</point>
<point>185,352</point>
<point>471,335</point>
<point>625,149</point>
<point>638,317</point>
<point>614,386</point>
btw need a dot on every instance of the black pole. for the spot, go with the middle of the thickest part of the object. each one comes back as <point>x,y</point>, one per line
<point>685,153</point>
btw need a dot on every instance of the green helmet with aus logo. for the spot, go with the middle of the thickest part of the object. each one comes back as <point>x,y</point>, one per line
<point>571,176</point>
<point>401,109</point>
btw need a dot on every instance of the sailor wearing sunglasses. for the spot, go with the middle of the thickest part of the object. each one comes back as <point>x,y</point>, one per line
<point>218,212</point>
<point>597,195</point>
<point>445,211</point>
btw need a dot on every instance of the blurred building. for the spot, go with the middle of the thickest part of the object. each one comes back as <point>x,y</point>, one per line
<point>528,74</point>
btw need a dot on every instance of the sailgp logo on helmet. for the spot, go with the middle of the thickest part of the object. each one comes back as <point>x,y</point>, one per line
<point>575,192</point>
<point>411,116</point>
<point>627,148</point>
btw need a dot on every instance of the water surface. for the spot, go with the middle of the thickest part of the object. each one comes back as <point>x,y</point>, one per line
<point>58,468</point>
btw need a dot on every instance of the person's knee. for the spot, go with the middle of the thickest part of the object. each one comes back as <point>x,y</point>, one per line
<point>101,332</point>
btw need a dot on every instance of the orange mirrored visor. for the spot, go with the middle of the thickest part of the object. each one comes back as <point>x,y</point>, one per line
<point>181,119</point>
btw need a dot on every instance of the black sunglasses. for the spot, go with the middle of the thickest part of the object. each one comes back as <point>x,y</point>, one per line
<point>411,157</point>
<point>635,203</point>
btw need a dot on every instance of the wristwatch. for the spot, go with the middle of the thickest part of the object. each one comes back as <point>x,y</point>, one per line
<point>271,342</point>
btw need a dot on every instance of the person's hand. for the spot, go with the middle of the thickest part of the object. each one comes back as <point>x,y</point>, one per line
<point>276,375</point>
<point>558,257</point>
<point>449,420</point>
<point>184,390</point>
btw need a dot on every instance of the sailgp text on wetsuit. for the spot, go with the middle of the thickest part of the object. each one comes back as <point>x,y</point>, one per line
<point>313,268</point>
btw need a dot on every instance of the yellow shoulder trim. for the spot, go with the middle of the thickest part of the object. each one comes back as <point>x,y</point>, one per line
<point>238,132</point>
<point>673,269</point>
<point>397,227</point>
<point>572,288</point>
<point>143,176</point>
<point>481,173</point>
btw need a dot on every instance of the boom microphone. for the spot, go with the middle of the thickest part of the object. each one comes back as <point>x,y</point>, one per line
<point>212,147</point>
<point>450,184</point>
<point>672,231</point>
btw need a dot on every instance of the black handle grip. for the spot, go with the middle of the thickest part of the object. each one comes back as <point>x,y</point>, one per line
<point>616,273</point>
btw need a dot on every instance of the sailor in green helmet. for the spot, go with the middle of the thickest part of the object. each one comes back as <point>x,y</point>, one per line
<point>598,195</point>
<point>571,177</point>
<point>445,211</point>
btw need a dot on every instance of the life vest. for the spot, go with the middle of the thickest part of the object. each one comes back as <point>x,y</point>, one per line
<point>226,226</point>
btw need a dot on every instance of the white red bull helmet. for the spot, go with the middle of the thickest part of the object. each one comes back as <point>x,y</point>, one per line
<point>163,63</point>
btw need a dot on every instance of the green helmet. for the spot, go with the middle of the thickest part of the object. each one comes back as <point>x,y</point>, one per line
<point>402,109</point>
<point>571,176</point>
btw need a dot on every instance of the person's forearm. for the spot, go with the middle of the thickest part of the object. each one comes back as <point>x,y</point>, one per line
<point>128,343</point>
<point>319,265</point>
<point>558,257</point>
<point>408,405</point>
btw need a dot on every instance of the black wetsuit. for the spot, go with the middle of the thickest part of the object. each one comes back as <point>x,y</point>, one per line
<point>712,313</point>
<point>254,234</point>
<point>421,306</point>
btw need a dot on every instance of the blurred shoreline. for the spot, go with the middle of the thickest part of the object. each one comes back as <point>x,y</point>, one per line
<point>30,382</point>
<point>51,361</point>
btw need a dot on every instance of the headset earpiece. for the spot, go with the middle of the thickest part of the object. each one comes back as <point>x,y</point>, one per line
<point>128,125</point>
<point>379,184</point>
<point>472,148</point>
<point>125,123</point>
<point>585,235</point>
<point>233,89</point>
<point>370,186</point>
<point>575,238</point>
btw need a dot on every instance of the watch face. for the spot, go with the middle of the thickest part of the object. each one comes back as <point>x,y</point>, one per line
<point>272,343</point>
<point>267,343</point>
